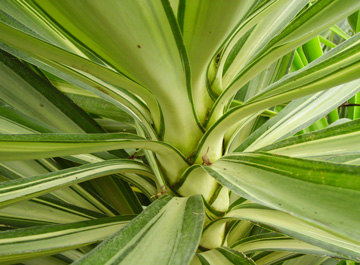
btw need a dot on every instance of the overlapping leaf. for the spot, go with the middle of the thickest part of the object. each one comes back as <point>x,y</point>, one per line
<point>337,141</point>
<point>327,194</point>
<point>22,189</point>
<point>334,68</point>
<point>22,244</point>
<point>171,225</point>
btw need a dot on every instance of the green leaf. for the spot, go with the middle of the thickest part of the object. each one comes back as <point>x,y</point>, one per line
<point>299,114</point>
<point>149,45</point>
<point>22,189</point>
<point>35,213</point>
<point>313,49</point>
<point>327,42</point>
<point>168,231</point>
<point>60,211</point>
<point>309,259</point>
<point>81,118</point>
<point>354,111</point>
<point>276,242</point>
<point>51,260</point>
<point>318,241</point>
<point>274,257</point>
<point>101,108</point>
<point>50,145</point>
<point>39,25</point>
<point>13,121</point>
<point>101,81</point>
<point>154,164</point>
<point>339,65</point>
<point>205,29</point>
<point>26,121</point>
<point>354,21</point>
<point>192,80</point>
<point>26,243</point>
<point>222,255</point>
<point>270,21</point>
<point>74,195</point>
<point>306,26</point>
<point>336,29</point>
<point>337,140</point>
<point>27,92</point>
<point>329,70</point>
<point>326,194</point>
<point>271,74</point>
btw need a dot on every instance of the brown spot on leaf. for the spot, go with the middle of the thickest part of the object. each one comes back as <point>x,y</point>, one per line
<point>159,194</point>
<point>205,159</point>
<point>139,46</point>
<point>102,90</point>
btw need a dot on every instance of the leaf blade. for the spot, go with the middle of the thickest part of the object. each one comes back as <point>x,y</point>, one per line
<point>148,232</point>
<point>23,189</point>
<point>20,244</point>
<point>334,188</point>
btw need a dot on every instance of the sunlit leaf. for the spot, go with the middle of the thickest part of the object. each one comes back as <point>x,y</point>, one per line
<point>176,221</point>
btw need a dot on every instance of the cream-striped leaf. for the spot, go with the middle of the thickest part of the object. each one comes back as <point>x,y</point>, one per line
<point>323,194</point>
<point>205,29</point>
<point>277,242</point>
<point>309,239</point>
<point>167,232</point>
<point>23,189</point>
<point>222,255</point>
<point>340,140</point>
<point>15,147</point>
<point>299,114</point>
<point>302,29</point>
<point>334,68</point>
<point>35,96</point>
<point>26,243</point>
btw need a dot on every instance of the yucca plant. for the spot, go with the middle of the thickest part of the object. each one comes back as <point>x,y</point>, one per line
<point>180,132</point>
